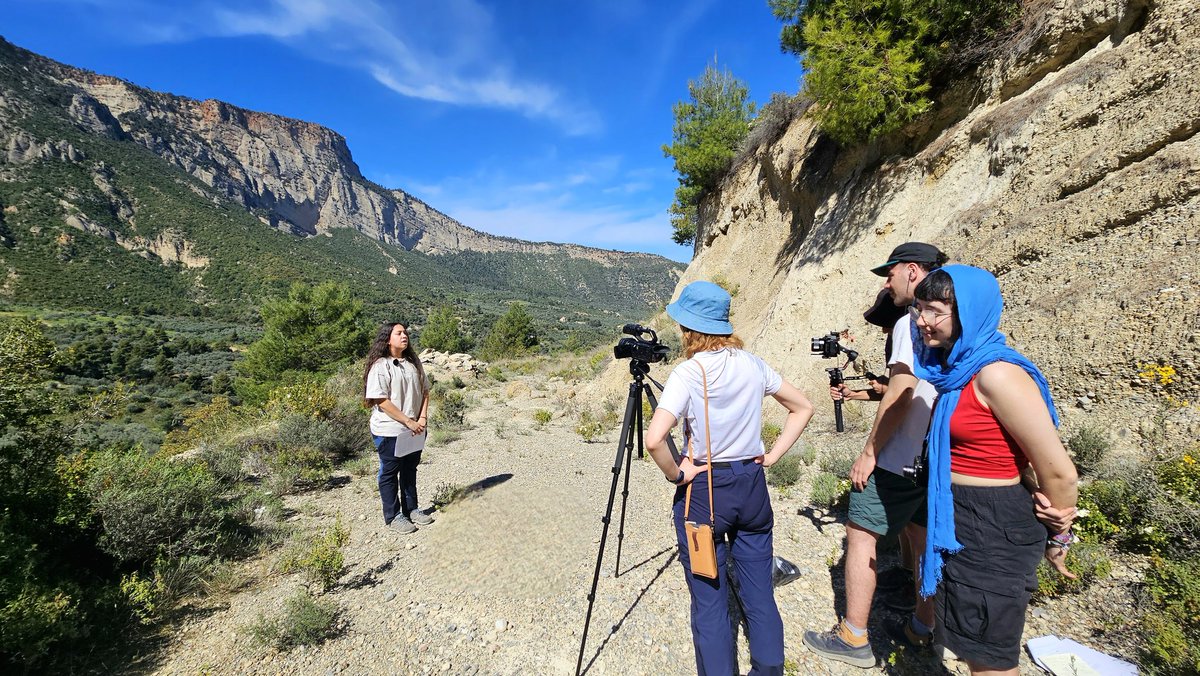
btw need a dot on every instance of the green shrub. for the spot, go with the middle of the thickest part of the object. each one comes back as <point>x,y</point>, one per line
<point>542,417</point>
<point>308,399</point>
<point>837,464</point>
<point>1172,629</point>
<point>149,597</point>
<point>829,490</point>
<point>770,434</point>
<point>589,431</point>
<point>496,373</point>
<point>808,455</point>
<point>292,467</point>
<point>305,621</point>
<point>338,438</point>
<point>444,436</point>
<point>152,508</point>
<point>1088,447</point>
<point>1180,476</point>
<point>320,559</point>
<point>449,411</point>
<point>785,472</point>
<point>447,493</point>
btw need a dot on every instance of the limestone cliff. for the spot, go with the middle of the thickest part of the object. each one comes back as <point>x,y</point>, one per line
<point>1070,167</point>
<point>299,176</point>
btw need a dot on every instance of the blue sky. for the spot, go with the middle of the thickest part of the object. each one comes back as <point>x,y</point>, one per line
<point>537,119</point>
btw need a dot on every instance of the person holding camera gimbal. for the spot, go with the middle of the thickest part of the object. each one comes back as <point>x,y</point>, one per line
<point>718,394</point>
<point>883,500</point>
<point>883,314</point>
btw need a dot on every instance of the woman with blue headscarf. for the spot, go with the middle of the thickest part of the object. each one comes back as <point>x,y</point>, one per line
<point>993,420</point>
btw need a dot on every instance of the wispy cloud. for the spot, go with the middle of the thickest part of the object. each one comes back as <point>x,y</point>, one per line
<point>575,205</point>
<point>448,51</point>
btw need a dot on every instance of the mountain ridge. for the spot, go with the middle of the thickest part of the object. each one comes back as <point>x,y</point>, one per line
<point>301,174</point>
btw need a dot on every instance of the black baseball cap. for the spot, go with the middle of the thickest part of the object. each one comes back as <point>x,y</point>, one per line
<point>884,312</point>
<point>911,252</point>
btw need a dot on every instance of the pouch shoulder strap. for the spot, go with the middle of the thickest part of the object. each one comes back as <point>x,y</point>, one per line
<point>712,518</point>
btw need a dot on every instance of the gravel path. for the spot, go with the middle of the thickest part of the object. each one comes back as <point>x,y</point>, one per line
<point>498,584</point>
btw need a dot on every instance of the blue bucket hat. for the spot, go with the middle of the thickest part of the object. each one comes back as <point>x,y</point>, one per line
<point>703,307</point>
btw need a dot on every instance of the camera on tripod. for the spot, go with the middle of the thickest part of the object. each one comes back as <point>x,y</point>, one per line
<point>638,348</point>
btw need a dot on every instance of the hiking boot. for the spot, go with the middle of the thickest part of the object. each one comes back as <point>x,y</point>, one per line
<point>402,525</point>
<point>903,634</point>
<point>842,645</point>
<point>420,518</point>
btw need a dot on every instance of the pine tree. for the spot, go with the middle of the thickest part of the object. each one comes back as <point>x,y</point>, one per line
<point>708,130</point>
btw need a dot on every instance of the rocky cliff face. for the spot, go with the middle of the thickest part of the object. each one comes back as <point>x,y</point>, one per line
<point>299,176</point>
<point>1070,167</point>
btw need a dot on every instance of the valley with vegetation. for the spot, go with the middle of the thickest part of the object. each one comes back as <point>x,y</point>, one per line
<point>188,288</point>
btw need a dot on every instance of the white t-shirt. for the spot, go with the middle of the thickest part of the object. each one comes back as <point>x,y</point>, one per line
<point>737,383</point>
<point>906,440</point>
<point>396,380</point>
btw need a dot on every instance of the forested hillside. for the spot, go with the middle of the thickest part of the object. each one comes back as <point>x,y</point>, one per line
<point>101,214</point>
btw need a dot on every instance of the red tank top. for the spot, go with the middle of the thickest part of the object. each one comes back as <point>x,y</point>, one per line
<point>979,446</point>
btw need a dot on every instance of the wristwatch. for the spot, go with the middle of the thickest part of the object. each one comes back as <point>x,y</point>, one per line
<point>679,479</point>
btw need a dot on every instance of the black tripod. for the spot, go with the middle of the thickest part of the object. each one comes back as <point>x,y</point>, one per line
<point>631,425</point>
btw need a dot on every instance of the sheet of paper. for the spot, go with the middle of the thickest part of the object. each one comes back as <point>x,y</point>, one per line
<point>1043,648</point>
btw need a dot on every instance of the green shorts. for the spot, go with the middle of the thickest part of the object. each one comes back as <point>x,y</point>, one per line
<point>887,503</point>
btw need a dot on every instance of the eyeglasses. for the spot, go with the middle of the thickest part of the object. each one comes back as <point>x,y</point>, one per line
<point>931,318</point>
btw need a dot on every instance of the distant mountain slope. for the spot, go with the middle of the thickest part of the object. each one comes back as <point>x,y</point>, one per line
<point>113,196</point>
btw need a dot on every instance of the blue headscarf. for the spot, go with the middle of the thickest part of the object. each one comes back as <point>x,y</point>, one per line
<point>978,304</point>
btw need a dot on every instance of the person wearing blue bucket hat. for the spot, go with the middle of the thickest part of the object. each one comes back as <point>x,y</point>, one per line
<point>718,394</point>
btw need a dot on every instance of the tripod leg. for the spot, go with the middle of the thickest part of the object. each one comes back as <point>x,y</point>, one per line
<point>623,450</point>
<point>837,415</point>
<point>636,402</point>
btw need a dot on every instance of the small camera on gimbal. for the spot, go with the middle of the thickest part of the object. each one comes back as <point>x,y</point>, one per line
<point>639,348</point>
<point>829,347</point>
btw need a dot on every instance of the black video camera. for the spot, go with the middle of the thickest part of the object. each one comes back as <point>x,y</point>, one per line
<point>638,348</point>
<point>828,347</point>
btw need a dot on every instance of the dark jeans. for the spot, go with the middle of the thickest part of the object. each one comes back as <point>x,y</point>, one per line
<point>744,521</point>
<point>397,479</point>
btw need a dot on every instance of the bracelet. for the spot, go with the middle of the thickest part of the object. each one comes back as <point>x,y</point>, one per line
<point>1062,540</point>
<point>678,479</point>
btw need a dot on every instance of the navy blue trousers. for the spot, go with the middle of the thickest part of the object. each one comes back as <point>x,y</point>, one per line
<point>397,479</point>
<point>744,523</point>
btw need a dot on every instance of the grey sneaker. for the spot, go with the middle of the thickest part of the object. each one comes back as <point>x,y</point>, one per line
<point>402,525</point>
<point>420,518</point>
<point>836,644</point>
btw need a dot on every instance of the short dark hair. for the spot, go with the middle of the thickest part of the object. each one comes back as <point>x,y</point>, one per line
<point>937,285</point>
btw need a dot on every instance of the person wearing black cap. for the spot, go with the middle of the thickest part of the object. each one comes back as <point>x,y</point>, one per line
<point>883,501</point>
<point>883,314</point>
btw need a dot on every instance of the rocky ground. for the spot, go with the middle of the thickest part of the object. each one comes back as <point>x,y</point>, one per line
<point>498,584</point>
